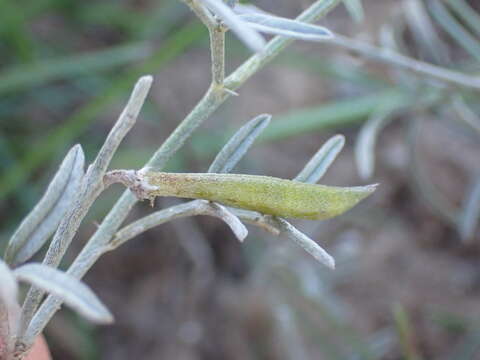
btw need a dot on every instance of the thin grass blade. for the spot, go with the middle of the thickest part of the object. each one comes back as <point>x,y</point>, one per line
<point>73,292</point>
<point>23,76</point>
<point>239,144</point>
<point>43,220</point>
<point>286,27</point>
<point>470,214</point>
<point>249,36</point>
<point>321,161</point>
<point>366,141</point>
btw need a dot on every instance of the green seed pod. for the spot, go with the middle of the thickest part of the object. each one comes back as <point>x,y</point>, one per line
<point>267,195</point>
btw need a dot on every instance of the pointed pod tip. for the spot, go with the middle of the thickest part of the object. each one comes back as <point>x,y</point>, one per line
<point>372,187</point>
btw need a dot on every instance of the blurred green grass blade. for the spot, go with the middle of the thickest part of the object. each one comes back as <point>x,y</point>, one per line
<point>355,9</point>
<point>466,13</point>
<point>26,76</point>
<point>112,15</point>
<point>165,16</point>
<point>14,30</point>
<point>405,332</point>
<point>79,121</point>
<point>456,30</point>
<point>470,214</point>
<point>333,115</point>
<point>335,69</point>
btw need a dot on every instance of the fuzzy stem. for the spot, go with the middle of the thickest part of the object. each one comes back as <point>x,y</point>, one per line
<point>217,45</point>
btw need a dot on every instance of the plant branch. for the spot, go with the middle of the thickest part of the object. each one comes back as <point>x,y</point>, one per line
<point>216,30</point>
<point>207,105</point>
<point>391,57</point>
<point>274,225</point>
<point>191,208</point>
<point>90,188</point>
<point>202,13</point>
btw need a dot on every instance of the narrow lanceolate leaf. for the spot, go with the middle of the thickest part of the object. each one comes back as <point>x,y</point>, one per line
<point>470,214</point>
<point>366,140</point>
<point>43,220</point>
<point>73,292</point>
<point>239,144</point>
<point>321,161</point>
<point>267,195</point>
<point>307,244</point>
<point>250,37</point>
<point>230,219</point>
<point>9,309</point>
<point>355,9</point>
<point>286,27</point>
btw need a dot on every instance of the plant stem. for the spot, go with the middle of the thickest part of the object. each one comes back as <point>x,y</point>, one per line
<point>90,188</point>
<point>217,45</point>
<point>391,57</point>
<point>207,105</point>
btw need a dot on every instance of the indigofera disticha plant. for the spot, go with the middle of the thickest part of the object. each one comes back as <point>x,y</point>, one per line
<point>234,198</point>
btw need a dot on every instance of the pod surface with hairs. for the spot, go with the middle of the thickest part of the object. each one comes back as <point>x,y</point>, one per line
<point>265,194</point>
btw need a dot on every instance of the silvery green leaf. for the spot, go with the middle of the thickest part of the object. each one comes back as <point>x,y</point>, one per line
<point>306,243</point>
<point>286,27</point>
<point>43,220</point>
<point>366,140</point>
<point>239,144</point>
<point>9,309</point>
<point>321,161</point>
<point>470,213</point>
<point>250,37</point>
<point>355,9</point>
<point>73,292</point>
<point>229,218</point>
